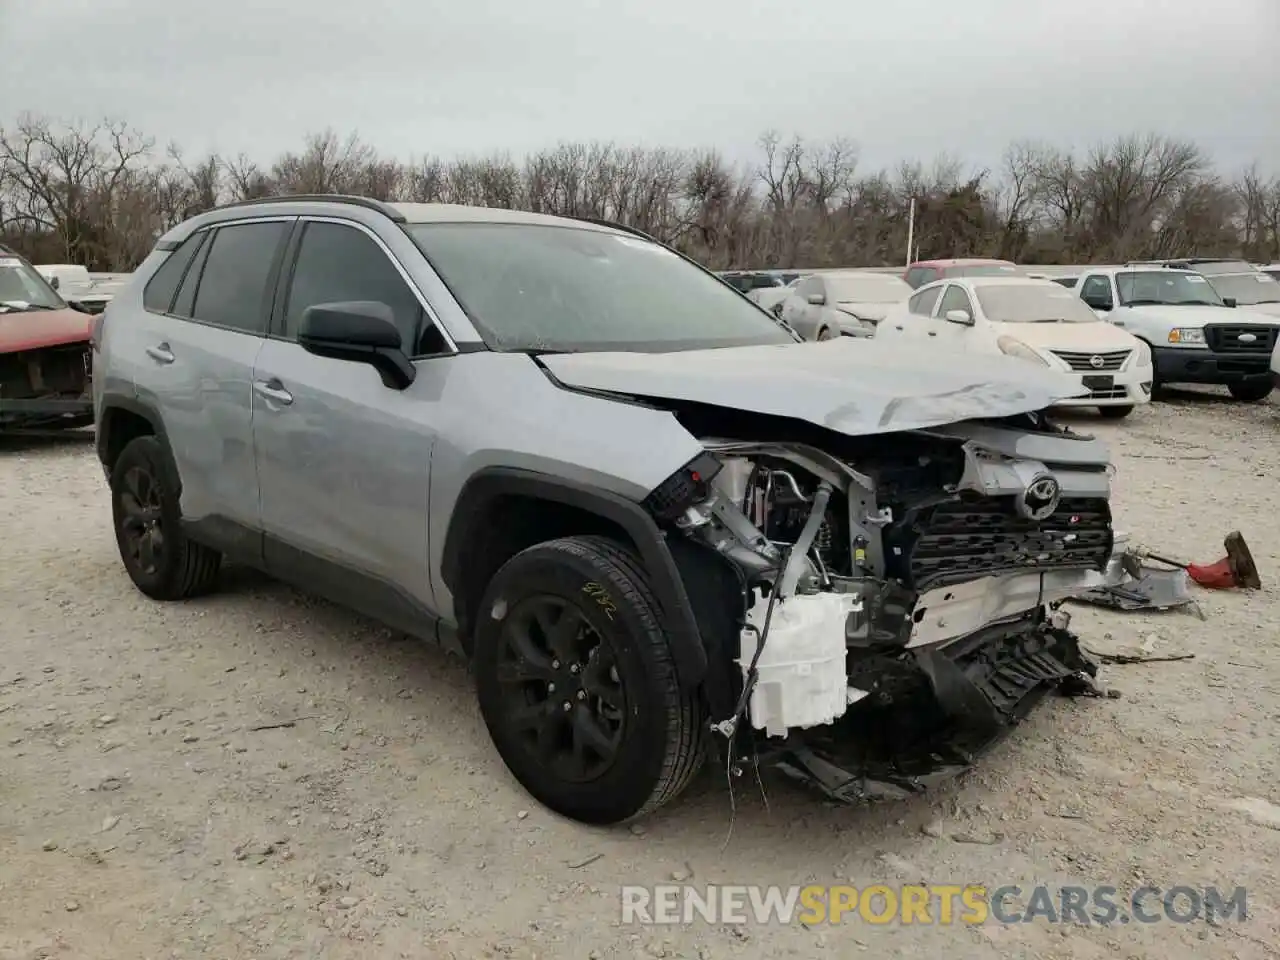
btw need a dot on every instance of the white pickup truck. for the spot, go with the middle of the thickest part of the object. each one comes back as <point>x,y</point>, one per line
<point>1194,336</point>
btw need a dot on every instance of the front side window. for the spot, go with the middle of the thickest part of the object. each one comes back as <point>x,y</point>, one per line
<point>1174,288</point>
<point>22,287</point>
<point>232,289</point>
<point>955,299</point>
<point>1096,293</point>
<point>337,263</point>
<point>569,289</point>
<point>922,303</point>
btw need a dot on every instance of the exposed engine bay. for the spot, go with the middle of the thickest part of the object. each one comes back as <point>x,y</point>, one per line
<point>899,592</point>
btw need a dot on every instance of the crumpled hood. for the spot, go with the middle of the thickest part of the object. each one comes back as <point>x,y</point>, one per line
<point>1196,316</point>
<point>1076,337</point>
<point>854,386</point>
<point>871,312</point>
<point>33,329</point>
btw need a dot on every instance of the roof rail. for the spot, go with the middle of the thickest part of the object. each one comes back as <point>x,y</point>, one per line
<point>369,204</point>
<point>615,225</point>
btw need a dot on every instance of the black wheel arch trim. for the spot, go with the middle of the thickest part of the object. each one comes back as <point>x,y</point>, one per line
<point>102,438</point>
<point>487,485</point>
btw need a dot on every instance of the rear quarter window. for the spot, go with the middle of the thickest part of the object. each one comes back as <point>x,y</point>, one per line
<point>158,294</point>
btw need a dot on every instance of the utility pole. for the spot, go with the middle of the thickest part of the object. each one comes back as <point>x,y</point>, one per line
<point>911,229</point>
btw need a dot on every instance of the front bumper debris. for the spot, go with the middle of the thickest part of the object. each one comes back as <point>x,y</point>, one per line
<point>933,711</point>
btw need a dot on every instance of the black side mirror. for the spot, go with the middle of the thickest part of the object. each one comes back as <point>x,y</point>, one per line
<point>1098,303</point>
<point>360,330</point>
<point>78,306</point>
<point>55,281</point>
<point>1229,301</point>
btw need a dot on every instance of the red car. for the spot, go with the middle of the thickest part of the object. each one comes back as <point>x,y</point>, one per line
<point>927,271</point>
<point>45,358</point>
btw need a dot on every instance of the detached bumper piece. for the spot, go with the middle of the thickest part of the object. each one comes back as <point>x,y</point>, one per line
<point>933,711</point>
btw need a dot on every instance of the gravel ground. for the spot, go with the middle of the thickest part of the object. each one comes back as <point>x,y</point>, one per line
<point>142,814</point>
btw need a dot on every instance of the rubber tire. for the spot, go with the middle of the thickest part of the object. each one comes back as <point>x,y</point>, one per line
<point>663,747</point>
<point>1250,392</point>
<point>1115,413</point>
<point>188,568</point>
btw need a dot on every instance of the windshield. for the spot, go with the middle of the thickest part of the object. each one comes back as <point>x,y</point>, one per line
<point>1165,288</point>
<point>535,287</point>
<point>1033,303</point>
<point>1248,288</point>
<point>867,288</point>
<point>22,288</point>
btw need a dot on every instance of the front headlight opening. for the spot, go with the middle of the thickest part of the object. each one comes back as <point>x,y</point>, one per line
<point>1186,335</point>
<point>1013,347</point>
<point>1144,354</point>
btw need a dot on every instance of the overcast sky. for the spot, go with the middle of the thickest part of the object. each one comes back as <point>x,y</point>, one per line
<point>903,78</point>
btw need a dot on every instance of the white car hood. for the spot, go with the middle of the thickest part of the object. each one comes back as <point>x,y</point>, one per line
<point>1195,316</point>
<point>1269,309</point>
<point>853,386</point>
<point>1075,337</point>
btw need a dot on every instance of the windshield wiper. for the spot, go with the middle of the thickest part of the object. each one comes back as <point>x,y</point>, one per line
<point>22,306</point>
<point>1196,303</point>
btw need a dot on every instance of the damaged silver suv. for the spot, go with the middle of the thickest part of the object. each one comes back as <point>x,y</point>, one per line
<point>659,527</point>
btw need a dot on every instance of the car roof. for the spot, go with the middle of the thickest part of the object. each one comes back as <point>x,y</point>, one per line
<point>962,262</point>
<point>402,213</point>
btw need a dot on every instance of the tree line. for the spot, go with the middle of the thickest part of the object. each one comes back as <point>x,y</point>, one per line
<point>100,194</point>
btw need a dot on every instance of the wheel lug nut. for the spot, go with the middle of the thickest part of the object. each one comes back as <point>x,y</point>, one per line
<point>582,694</point>
<point>574,668</point>
<point>551,688</point>
<point>567,706</point>
<point>555,664</point>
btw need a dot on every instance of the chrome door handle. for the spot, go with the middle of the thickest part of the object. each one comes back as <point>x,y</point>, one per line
<point>273,390</point>
<point>161,353</point>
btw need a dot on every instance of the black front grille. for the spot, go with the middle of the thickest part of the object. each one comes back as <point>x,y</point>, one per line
<point>1226,338</point>
<point>1107,360</point>
<point>955,542</point>
<point>1109,393</point>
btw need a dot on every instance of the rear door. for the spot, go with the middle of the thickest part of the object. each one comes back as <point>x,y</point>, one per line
<point>205,317</point>
<point>343,460</point>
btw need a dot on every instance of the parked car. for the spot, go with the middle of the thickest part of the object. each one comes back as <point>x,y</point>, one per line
<point>1036,321</point>
<point>847,303</point>
<point>80,288</point>
<point>1194,336</point>
<point>772,298</point>
<point>1272,270</point>
<point>1205,266</point>
<point>572,455</point>
<point>1066,281</point>
<point>927,271</point>
<point>748,280</point>
<point>44,352</point>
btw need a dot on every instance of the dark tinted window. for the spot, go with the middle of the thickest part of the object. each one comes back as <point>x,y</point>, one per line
<point>336,264</point>
<point>233,284</point>
<point>158,294</point>
<point>186,299</point>
<point>915,276</point>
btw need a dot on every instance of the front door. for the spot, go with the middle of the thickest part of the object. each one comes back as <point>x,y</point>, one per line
<point>343,460</point>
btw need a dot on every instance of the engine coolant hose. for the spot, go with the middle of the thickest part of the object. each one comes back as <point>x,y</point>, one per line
<point>799,556</point>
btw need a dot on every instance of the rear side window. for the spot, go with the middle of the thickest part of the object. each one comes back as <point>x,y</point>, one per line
<point>158,294</point>
<point>338,263</point>
<point>922,303</point>
<point>233,284</point>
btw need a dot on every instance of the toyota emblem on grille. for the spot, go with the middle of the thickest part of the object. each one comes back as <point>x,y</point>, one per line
<point>1040,499</point>
<point>1246,338</point>
<point>1096,362</point>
